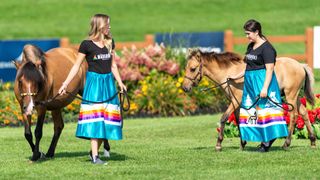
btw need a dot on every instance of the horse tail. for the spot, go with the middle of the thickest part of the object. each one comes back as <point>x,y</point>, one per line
<point>308,84</point>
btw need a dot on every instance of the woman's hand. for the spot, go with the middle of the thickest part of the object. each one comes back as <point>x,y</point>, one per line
<point>122,87</point>
<point>63,89</point>
<point>264,93</point>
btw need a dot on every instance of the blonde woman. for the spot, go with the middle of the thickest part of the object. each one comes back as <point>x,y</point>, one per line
<point>102,121</point>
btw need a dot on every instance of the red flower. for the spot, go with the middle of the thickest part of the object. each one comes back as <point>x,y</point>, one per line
<point>285,107</point>
<point>300,122</point>
<point>318,95</point>
<point>303,101</point>
<point>312,116</point>
<point>218,129</point>
<point>232,118</point>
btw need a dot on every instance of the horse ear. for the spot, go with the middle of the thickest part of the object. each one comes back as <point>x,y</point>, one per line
<point>38,63</point>
<point>198,54</point>
<point>17,64</point>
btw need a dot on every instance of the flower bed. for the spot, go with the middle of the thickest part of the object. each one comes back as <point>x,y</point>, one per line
<point>231,129</point>
<point>153,76</point>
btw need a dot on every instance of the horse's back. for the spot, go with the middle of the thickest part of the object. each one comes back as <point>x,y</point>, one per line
<point>290,73</point>
<point>59,63</point>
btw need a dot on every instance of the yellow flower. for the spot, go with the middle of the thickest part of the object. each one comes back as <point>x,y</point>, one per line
<point>133,106</point>
<point>205,82</point>
<point>178,84</point>
<point>16,113</point>
<point>144,89</point>
<point>180,80</point>
<point>173,91</point>
<point>180,91</point>
<point>6,122</point>
<point>70,107</point>
<point>7,86</point>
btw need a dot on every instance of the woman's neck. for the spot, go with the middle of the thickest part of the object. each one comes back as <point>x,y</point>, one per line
<point>258,42</point>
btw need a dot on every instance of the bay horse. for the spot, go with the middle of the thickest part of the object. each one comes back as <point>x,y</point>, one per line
<point>39,77</point>
<point>227,70</point>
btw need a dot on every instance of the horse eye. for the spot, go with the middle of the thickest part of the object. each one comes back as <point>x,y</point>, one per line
<point>193,69</point>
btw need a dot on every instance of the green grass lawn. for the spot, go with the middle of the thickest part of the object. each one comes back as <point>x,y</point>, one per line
<point>158,148</point>
<point>131,20</point>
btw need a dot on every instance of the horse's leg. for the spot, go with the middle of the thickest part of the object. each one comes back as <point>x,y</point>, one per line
<point>106,148</point>
<point>38,133</point>
<point>27,130</point>
<point>304,113</point>
<point>237,115</point>
<point>58,127</point>
<point>223,121</point>
<point>106,145</point>
<point>292,99</point>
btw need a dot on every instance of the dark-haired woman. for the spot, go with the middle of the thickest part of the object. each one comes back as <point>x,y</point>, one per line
<point>264,122</point>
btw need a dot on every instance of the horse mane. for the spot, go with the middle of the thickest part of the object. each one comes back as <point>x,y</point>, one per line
<point>30,72</point>
<point>224,58</point>
<point>34,54</point>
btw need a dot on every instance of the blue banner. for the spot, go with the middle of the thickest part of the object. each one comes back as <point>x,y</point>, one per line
<point>204,40</point>
<point>12,49</point>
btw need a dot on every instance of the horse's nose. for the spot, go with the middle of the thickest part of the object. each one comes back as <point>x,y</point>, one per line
<point>27,109</point>
<point>186,89</point>
<point>24,108</point>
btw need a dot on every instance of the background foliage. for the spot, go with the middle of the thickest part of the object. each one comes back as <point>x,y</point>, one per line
<point>154,88</point>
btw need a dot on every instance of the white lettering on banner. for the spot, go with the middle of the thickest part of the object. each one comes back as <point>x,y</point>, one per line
<point>6,65</point>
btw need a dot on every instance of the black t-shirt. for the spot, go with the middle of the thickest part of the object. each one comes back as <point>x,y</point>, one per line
<point>257,58</point>
<point>99,59</point>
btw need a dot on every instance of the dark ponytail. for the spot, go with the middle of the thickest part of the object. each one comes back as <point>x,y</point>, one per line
<point>253,26</point>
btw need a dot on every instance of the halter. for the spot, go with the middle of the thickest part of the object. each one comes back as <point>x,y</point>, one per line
<point>231,95</point>
<point>28,94</point>
<point>193,80</point>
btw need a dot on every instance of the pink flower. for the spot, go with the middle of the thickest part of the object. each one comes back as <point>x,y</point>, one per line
<point>173,69</point>
<point>155,51</point>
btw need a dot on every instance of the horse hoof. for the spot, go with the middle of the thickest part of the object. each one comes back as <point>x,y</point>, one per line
<point>106,153</point>
<point>242,145</point>
<point>49,155</point>
<point>285,147</point>
<point>218,148</point>
<point>313,146</point>
<point>36,156</point>
<point>42,155</point>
